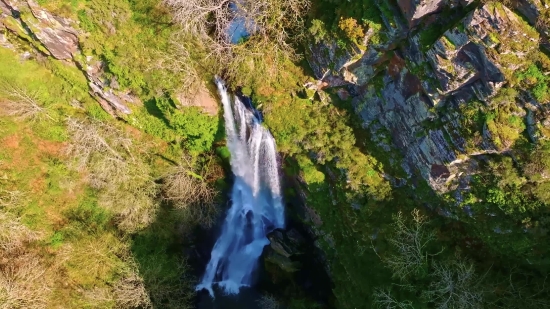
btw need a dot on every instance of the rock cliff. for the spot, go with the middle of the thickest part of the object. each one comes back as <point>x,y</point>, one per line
<point>412,90</point>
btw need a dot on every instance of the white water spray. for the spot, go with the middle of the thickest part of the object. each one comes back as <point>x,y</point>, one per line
<point>256,207</point>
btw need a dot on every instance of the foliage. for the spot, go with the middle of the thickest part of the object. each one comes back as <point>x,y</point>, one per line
<point>410,244</point>
<point>188,126</point>
<point>535,80</point>
<point>321,133</point>
<point>318,30</point>
<point>351,29</point>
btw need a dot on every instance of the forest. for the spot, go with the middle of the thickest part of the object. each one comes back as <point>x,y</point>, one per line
<point>413,138</point>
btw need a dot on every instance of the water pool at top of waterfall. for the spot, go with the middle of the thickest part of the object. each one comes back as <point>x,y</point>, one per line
<point>256,203</point>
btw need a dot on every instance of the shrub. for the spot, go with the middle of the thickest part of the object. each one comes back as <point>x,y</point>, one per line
<point>409,243</point>
<point>185,188</point>
<point>318,30</point>
<point>124,181</point>
<point>351,29</point>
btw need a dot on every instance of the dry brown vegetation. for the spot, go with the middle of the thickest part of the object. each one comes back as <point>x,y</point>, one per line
<point>187,189</point>
<point>124,180</point>
<point>23,283</point>
<point>22,104</point>
<point>270,23</point>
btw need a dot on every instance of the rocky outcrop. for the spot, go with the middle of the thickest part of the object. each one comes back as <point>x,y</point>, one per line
<point>107,92</point>
<point>57,37</point>
<point>400,89</point>
<point>414,10</point>
<point>55,33</point>
<point>284,245</point>
<point>201,98</point>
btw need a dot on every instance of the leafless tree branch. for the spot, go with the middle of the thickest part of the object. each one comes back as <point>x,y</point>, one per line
<point>454,285</point>
<point>384,300</point>
<point>410,242</point>
<point>22,104</point>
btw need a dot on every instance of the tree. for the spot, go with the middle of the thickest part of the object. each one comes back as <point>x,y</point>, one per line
<point>124,181</point>
<point>351,29</point>
<point>409,242</point>
<point>454,285</point>
<point>384,300</point>
<point>267,22</point>
<point>22,104</point>
<point>186,188</point>
<point>318,30</point>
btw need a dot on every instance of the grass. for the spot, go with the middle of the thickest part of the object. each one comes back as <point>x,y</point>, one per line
<point>85,260</point>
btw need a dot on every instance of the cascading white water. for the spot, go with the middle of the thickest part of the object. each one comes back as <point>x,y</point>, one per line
<point>257,206</point>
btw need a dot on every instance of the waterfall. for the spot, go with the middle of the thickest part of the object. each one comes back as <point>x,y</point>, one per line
<point>256,204</point>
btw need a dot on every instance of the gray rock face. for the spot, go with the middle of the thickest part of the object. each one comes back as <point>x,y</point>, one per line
<point>466,63</point>
<point>414,10</point>
<point>3,39</point>
<point>403,109</point>
<point>111,100</point>
<point>529,9</point>
<point>327,60</point>
<point>55,33</point>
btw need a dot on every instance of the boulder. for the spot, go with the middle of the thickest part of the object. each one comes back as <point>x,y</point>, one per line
<point>202,99</point>
<point>284,245</point>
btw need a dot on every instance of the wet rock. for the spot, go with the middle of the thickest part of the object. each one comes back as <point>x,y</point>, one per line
<point>284,246</point>
<point>284,263</point>
<point>286,243</point>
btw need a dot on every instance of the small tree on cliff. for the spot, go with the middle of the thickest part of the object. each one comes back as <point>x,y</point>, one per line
<point>409,242</point>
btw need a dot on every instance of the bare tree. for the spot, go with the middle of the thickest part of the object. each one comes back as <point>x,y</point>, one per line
<point>92,137</point>
<point>177,64</point>
<point>125,182</point>
<point>187,189</point>
<point>130,292</point>
<point>410,243</point>
<point>454,285</point>
<point>213,22</point>
<point>384,300</point>
<point>22,283</point>
<point>22,103</point>
<point>11,198</point>
<point>520,289</point>
<point>14,236</point>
